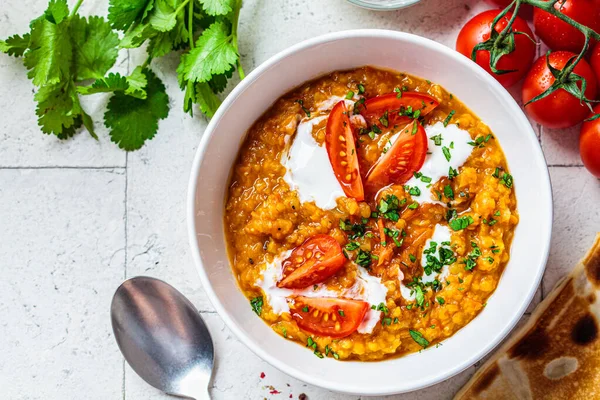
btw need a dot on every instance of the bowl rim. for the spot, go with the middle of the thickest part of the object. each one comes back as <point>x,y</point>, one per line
<point>193,186</point>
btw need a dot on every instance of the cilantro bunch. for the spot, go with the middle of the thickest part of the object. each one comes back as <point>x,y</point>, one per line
<point>206,31</point>
<point>69,56</point>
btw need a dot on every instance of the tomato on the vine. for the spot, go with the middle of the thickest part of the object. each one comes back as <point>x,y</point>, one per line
<point>477,30</point>
<point>559,109</point>
<point>589,144</point>
<point>524,12</point>
<point>559,35</point>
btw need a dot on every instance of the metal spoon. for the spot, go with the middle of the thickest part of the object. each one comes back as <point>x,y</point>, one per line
<point>163,337</point>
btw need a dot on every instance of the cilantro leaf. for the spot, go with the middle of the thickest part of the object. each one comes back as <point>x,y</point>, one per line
<point>94,47</point>
<point>133,121</point>
<point>112,83</point>
<point>218,83</point>
<point>217,7</point>
<point>137,83</point>
<point>163,17</point>
<point>50,53</point>
<point>206,99</point>
<point>418,337</point>
<point>57,11</point>
<point>123,13</point>
<point>15,45</point>
<point>59,111</point>
<point>214,54</point>
<point>136,36</point>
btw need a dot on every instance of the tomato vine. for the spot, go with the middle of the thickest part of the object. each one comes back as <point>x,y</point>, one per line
<point>502,43</point>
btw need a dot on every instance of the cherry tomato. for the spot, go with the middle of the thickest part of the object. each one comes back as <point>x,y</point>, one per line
<point>595,61</point>
<point>312,262</point>
<point>559,35</point>
<point>341,149</point>
<point>328,316</point>
<point>589,144</point>
<point>375,109</point>
<point>560,109</point>
<point>478,30</point>
<point>402,160</point>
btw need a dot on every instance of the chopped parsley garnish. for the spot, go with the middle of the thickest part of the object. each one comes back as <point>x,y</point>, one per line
<point>412,257</point>
<point>423,178</point>
<point>381,307</point>
<point>375,129</point>
<point>433,263</point>
<point>349,95</point>
<point>451,214</point>
<point>452,173</point>
<point>341,312</point>
<point>357,104</point>
<point>471,259</point>
<point>363,258</point>
<point>497,213</point>
<point>417,337</point>
<point>428,81</point>
<point>414,191</point>
<point>361,88</point>
<point>448,192</point>
<point>354,230</point>
<point>413,206</point>
<point>446,152</point>
<point>496,173</point>
<point>437,139</point>
<point>449,117</point>
<point>415,127</point>
<point>419,295</point>
<point>394,234</point>
<point>306,110</point>
<point>440,300</point>
<point>257,304</point>
<point>384,119</point>
<point>386,321</point>
<point>480,141</point>
<point>305,308</point>
<point>460,223</point>
<point>507,180</point>
<point>398,92</point>
<point>352,246</point>
<point>388,207</point>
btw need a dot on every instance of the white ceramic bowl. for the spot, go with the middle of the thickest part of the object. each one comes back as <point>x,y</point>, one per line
<point>402,52</point>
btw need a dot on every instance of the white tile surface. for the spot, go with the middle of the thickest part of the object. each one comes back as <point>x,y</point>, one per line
<point>70,235</point>
<point>62,256</point>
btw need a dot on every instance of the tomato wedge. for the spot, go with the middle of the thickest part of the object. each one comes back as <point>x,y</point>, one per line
<point>402,160</point>
<point>375,108</point>
<point>312,262</point>
<point>341,149</point>
<point>328,316</point>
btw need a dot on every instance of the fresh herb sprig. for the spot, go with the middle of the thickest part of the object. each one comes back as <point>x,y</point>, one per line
<point>69,56</point>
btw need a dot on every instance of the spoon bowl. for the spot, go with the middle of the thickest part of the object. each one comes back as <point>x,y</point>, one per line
<point>163,337</point>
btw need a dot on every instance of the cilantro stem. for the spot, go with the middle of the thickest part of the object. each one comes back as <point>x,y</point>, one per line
<point>234,33</point>
<point>191,24</point>
<point>178,10</point>
<point>76,8</point>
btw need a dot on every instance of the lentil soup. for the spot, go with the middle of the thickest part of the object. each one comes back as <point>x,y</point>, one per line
<point>363,230</point>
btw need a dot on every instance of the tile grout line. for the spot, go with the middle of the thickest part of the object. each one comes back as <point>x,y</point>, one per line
<point>125,215</point>
<point>63,167</point>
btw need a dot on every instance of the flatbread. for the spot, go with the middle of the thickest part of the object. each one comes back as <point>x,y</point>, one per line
<point>556,355</point>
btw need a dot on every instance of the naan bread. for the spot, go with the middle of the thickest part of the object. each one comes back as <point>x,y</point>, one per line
<point>556,355</point>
